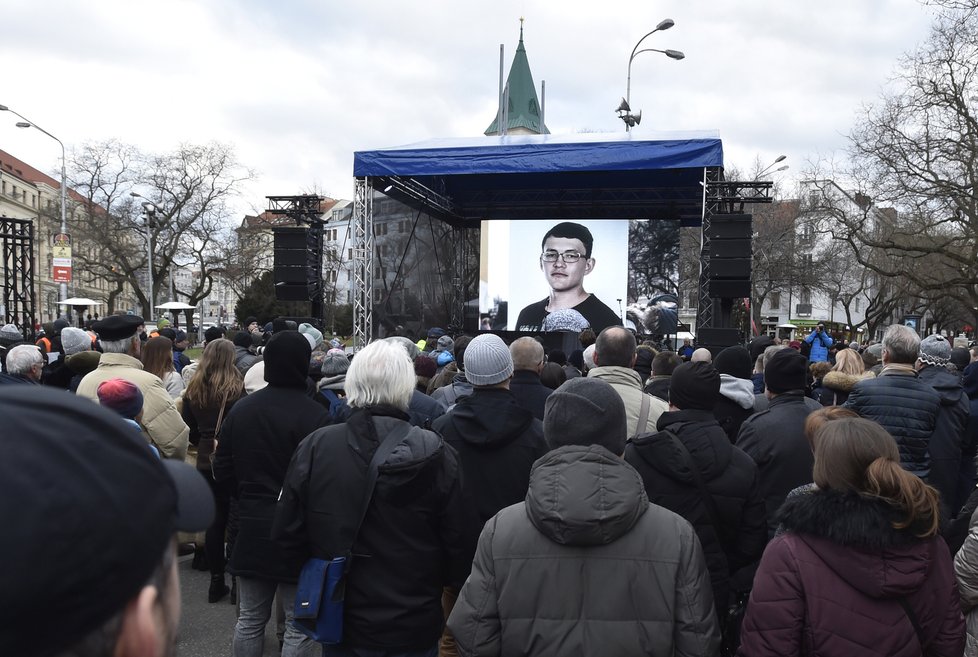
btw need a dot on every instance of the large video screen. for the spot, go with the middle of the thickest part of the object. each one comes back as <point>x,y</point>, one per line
<point>552,275</point>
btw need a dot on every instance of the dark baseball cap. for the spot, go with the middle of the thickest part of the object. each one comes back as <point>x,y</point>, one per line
<point>89,511</point>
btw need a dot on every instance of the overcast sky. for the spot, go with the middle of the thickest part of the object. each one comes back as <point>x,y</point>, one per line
<point>296,86</point>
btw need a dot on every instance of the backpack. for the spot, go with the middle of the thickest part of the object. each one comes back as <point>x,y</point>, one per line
<point>337,405</point>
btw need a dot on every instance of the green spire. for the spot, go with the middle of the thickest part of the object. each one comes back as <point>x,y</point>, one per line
<point>524,107</point>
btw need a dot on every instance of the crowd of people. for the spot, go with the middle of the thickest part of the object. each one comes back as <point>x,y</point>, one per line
<point>484,498</point>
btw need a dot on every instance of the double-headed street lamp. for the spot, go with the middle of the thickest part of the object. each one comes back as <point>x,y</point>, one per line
<point>64,178</point>
<point>624,109</point>
<point>767,170</point>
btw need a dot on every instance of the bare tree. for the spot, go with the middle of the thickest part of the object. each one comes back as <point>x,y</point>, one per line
<point>189,190</point>
<point>915,150</point>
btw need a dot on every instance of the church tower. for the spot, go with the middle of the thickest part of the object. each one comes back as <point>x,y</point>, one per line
<point>524,107</point>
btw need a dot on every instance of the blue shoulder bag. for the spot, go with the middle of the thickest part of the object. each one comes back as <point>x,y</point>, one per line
<point>319,596</point>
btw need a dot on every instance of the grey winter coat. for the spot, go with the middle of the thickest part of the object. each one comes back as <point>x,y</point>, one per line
<point>586,566</point>
<point>966,571</point>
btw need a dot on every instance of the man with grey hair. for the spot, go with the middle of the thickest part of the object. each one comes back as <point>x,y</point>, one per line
<point>24,365</point>
<point>899,401</point>
<point>586,565</point>
<point>162,423</point>
<point>415,529</point>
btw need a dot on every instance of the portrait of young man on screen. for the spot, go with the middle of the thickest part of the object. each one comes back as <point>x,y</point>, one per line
<point>565,260</point>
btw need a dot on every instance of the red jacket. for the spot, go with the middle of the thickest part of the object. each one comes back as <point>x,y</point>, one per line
<point>832,585</point>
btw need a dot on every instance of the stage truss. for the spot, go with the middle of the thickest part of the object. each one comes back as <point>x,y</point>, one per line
<point>17,246</point>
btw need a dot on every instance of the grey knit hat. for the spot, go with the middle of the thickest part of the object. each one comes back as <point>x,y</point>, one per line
<point>334,365</point>
<point>935,350</point>
<point>585,411</point>
<point>75,340</point>
<point>11,332</point>
<point>487,360</point>
<point>445,343</point>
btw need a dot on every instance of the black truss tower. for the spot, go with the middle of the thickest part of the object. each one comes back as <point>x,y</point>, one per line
<point>17,246</point>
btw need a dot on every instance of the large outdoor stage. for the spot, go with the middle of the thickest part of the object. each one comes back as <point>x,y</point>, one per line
<point>655,176</point>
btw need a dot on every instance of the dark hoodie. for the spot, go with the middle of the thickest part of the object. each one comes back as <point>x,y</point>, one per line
<point>952,452</point>
<point>415,538</point>
<point>832,584</point>
<point>497,441</point>
<point>257,440</point>
<point>730,477</point>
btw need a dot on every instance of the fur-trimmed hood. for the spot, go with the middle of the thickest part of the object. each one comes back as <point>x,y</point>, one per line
<point>854,536</point>
<point>843,382</point>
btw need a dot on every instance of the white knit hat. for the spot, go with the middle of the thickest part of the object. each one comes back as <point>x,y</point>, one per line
<point>74,340</point>
<point>487,360</point>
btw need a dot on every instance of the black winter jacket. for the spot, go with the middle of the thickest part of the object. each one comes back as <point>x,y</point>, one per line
<point>729,475</point>
<point>906,407</point>
<point>414,538</point>
<point>497,441</point>
<point>775,440</point>
<point>949,466</point>
<point>258,437</point>
<point>529,392</point>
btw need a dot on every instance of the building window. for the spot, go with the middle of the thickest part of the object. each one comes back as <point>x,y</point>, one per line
<point>805,297</point>
<point>856,304</point>
<point>775,300</point>
<point>350,254</point>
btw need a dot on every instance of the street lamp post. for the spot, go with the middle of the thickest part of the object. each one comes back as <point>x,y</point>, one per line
<point>767,170</point>
<point>149,211</point>
<point>26,123</point>
<point>625,107</point>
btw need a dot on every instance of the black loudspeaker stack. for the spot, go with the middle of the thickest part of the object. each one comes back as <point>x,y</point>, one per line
<point>730,237</point>
<point>297,261</point>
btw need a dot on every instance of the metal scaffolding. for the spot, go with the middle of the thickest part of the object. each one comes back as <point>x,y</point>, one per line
<point>363,263</point>
<point>17,246</point>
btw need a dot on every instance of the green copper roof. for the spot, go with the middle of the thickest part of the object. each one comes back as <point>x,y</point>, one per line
<point>524,107</point>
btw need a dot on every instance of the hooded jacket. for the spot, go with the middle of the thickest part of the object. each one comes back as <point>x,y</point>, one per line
<point>730,477</point>
<point>906,407</point>
<point>586,566</point>
<point>628,385</point>
<point>497,442</point>
<point>832,585</point>
<point>415,536</point>
<point>161,421</point>
<point>736,404</point>
<point>775,440</point>
<point>450,394</point>
<point>835,387</point>
<point>256,442</point>
<point>952,465</point>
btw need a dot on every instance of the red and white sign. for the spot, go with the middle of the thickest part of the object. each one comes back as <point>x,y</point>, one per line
<point>61,258</point>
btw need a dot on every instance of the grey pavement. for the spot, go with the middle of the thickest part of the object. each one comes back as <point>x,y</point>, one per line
<point>206,629</point>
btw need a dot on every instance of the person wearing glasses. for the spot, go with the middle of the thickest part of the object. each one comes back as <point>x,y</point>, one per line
<point>565,261</point>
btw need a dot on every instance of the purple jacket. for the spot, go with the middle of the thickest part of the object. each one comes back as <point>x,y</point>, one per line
<point>832,585</point>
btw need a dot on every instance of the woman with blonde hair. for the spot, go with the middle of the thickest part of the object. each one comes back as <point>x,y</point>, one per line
<point>157,357</point>
<point>214,388</point>
<point>838,383</point>
<point>860,568</point>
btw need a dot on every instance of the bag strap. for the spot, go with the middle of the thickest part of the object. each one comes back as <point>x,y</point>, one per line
<point>220,415</point>
<point>708,501</point>
<point>381,454</point>
<point>908,610</point>
<point>643,416</point>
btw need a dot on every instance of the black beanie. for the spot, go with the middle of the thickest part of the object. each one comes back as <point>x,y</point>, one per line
<point>758,345</point>
<point>694,385</point>
<point>287,360</point>
<point>734,361</point>
<point>585,411</point>
<point>786,370</point>
<point>242,339</point>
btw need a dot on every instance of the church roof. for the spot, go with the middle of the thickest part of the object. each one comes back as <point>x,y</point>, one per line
<point>524,106</point>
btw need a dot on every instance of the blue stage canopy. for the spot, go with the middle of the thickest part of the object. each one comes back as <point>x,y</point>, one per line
<point>586,176</point>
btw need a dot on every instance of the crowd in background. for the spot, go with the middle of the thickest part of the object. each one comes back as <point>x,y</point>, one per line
<point>768,499</point>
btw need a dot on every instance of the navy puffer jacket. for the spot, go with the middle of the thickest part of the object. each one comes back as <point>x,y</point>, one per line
<point>906,407</point>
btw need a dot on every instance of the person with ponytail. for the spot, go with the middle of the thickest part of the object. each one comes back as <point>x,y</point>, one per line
<point>860,569</point>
